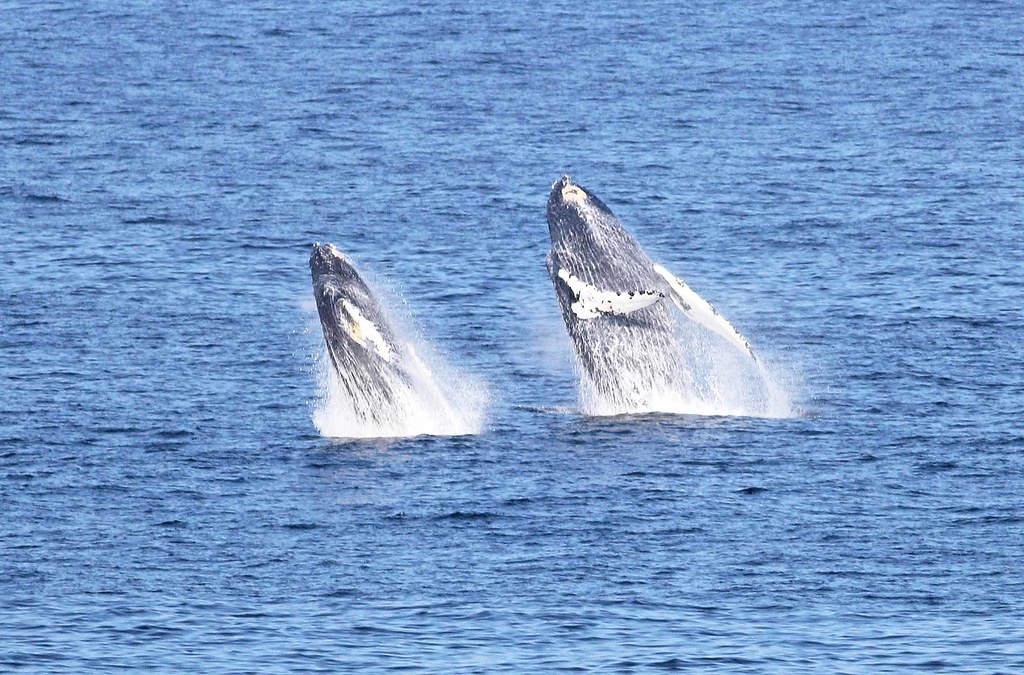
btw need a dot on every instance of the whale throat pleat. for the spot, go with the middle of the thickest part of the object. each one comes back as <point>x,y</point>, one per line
<point>591,302</point>
<point>700,310</point>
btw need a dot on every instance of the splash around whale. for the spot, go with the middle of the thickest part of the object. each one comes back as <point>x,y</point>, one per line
<point>375,379</point>
<point>623,314</point>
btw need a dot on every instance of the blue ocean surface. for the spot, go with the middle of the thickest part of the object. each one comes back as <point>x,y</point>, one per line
<point>844,181</point>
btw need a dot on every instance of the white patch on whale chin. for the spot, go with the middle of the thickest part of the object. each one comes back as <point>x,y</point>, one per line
<point>362,330</point>
<point>592,302</point>
<point>574,194</point>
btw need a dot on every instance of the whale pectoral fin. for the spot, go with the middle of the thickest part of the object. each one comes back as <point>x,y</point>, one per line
<point>700,310</point>
<point>364,331</point>
<point>592,302</point>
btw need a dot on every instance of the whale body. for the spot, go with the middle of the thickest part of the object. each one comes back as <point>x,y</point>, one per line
<point>371,364</point>
<point>620,308</point>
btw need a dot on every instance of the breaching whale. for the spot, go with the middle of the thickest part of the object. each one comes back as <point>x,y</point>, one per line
<point>370,362</point>
<point>617,303</point>
<point>377,384</point>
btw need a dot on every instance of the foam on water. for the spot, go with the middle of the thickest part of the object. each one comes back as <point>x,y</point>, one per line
<point>438,400</point>
<point>717,380</point>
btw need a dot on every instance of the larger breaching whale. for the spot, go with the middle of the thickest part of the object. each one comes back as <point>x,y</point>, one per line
<point>371,364</point>
<point>617,304</point>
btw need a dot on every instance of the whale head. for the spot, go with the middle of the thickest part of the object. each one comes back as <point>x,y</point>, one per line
<point>573,212</point>
<point>327,261</point>
<point>353,322</point>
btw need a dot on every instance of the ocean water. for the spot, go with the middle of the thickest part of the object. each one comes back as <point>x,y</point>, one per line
<point>844,182</point>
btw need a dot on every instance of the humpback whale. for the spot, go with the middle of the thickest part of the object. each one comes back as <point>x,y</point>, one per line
<point>371,364</point>
<point>378,384</point>
<point>617,303</point>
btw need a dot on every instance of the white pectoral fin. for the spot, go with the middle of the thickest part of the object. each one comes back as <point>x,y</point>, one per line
<point>700,310</point>
<point>364,332</point>
<point>592,302</point>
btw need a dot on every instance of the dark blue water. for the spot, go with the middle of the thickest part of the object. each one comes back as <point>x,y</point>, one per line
<point>846,184</point>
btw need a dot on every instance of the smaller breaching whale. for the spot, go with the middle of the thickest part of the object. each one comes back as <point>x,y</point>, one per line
<point>371,364</point>
<point>616,303</point>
